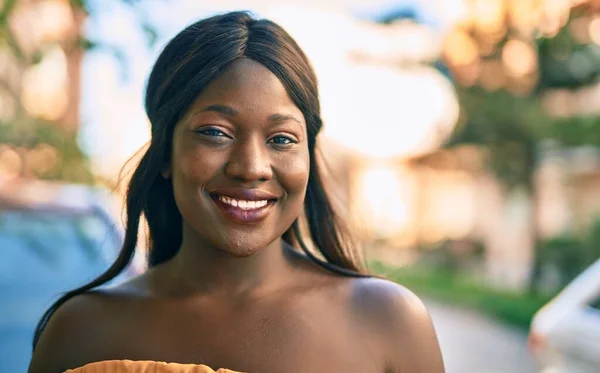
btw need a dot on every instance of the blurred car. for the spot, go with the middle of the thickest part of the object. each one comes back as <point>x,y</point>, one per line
<point>565,334</point>
<point>53,238</point>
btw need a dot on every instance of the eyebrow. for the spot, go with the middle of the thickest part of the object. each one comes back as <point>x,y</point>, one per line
<point>222,109</point>
<point>231,112</point>
<point>278,118</point>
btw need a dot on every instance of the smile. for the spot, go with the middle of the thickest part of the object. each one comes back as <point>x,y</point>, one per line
<point>243,204</point>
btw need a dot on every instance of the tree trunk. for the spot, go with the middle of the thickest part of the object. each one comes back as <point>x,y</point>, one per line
<point>536,268</point>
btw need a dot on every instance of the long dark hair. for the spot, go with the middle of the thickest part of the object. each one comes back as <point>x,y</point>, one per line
<point>192,59</point>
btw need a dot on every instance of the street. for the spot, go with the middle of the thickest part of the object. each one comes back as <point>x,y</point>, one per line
<point>474,343</point>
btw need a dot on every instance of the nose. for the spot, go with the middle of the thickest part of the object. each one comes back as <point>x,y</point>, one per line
<point>249,161</point>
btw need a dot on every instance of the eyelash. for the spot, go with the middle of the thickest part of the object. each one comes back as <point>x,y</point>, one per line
<point>213,132</point>
<point>289,140</point>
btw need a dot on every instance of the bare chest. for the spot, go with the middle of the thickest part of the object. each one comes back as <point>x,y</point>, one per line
<point>290,338</point>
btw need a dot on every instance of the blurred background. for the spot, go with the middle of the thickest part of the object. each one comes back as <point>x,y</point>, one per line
<point>462,139</point>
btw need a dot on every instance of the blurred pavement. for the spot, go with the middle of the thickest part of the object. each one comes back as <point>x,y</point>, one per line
<point>474,343</point>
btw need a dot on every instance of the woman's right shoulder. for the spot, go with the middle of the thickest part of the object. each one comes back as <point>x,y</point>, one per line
<point>72,333</point>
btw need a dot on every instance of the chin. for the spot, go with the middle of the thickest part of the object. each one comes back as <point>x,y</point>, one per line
<point>241,252</point>
<point>245,245</point>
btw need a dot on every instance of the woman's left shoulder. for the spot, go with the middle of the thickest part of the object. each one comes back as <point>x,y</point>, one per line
<point>387,302</point>
<point>400,320</point>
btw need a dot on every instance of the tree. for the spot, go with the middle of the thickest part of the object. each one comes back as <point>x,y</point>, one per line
<point>509,122</point>
<point>38,124</point>
<point>508,128</point>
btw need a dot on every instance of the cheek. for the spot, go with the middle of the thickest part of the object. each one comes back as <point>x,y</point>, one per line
<point>194,165</point>
<point>191,170</point>
<point>293,175</point>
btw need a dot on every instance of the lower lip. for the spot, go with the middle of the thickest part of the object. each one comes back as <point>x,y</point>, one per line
<point>243,216</point>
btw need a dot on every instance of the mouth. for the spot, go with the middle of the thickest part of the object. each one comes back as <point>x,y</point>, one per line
<point>247,210</point>
<point>247,205</point>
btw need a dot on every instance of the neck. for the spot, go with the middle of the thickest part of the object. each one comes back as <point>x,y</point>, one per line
<point>201,268</point>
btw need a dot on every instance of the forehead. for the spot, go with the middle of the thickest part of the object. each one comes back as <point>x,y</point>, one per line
<point>247,83</point>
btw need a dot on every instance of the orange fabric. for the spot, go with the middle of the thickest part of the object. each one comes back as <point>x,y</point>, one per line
<point>129,366</point>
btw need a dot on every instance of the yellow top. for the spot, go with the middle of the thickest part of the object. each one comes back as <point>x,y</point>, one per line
<point>129,366</point>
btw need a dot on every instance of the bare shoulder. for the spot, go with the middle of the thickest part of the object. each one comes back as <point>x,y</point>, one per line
<point>77,331</point>
<point>386,301</point>
<point>401,322</point>
<point>69,333</point>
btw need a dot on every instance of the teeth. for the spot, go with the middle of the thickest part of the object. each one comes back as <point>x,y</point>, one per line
<point>246,205</point>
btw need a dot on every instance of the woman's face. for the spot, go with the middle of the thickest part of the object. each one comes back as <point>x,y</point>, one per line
<point>240,161</point>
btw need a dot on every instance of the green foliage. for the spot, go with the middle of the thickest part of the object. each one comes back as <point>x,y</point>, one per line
<point>566,63</point>
<point>24,131</point>
<point>511,307</point>
<point>508,126</point>
<point>452,256</point>
<point>5,11</point>
<point>592,241</point>
<point>575,131</point>
<point>511,127</point>
<point>570,255</point>
<point>565,254</point>
<point>72,165</point>
<point>515,116</point>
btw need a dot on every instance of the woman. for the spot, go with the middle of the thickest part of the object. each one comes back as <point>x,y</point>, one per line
<point>230,170</point>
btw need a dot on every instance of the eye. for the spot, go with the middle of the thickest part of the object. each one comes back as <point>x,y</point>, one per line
<point>213,132</point>
<point>282,140</point>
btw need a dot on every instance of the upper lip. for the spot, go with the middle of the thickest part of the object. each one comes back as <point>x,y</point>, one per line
<point>244,194</point>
